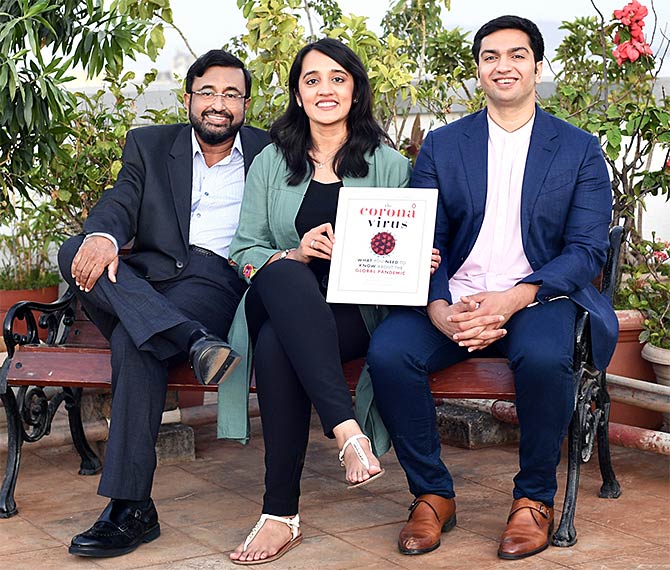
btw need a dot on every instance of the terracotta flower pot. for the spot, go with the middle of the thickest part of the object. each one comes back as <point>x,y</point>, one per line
<point>9,297</point>
<point>627,361</point>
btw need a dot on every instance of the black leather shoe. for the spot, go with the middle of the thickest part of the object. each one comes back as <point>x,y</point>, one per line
<point>120,529</point>
<point>212,359</point>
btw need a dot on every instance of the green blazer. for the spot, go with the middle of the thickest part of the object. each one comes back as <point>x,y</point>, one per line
<point>267,225</point>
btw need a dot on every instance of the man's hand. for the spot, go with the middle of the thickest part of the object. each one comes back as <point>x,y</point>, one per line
<point>94,255</point>
<point>462,324</point>
<point>495,303</point>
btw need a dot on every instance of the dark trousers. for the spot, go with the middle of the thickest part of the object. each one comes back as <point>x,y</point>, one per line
<point>406,347</point>
<point>300,342</point>
<point>132,314</point>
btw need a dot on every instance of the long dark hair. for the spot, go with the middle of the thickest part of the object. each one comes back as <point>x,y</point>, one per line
<point>291,132</point>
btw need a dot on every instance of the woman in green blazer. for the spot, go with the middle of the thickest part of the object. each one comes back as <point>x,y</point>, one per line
<point>327,138</point>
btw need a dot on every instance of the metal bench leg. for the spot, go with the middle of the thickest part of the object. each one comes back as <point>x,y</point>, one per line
<point>14,441</point>
<point>90,462</point>
<point>610,488</point>
<point>566,535</point>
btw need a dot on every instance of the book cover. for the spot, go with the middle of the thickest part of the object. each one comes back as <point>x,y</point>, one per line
<point>383,245</point>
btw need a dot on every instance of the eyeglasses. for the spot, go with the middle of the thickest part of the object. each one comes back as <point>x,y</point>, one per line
<point>229,98</point>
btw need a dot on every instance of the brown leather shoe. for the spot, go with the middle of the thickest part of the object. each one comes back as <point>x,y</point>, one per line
<point>429,517</point>
<point>529,526</point>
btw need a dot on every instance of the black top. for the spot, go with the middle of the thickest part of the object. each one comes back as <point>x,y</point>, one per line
<point>318,207</point>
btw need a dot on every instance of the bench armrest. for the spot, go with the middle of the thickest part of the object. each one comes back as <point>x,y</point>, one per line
<point>56,317</point>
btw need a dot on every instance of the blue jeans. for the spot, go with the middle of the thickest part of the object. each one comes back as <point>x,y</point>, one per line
<point>406,347</point>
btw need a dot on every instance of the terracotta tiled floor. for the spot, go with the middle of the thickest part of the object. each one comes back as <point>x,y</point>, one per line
<point>206,508</point>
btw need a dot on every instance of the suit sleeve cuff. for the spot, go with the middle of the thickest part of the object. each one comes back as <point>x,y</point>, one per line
<point>105,235</point>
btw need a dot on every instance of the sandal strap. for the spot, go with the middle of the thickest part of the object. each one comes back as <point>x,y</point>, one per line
<point>292,522</point>
<point>353,442</point>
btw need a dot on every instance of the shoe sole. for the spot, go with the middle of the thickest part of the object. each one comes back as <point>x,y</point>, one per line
<point>151,534</point>
<point>505,556</point>
<point>524,555</point>
<point>224,367</point>
<point>283,550</point>
<point>371,479</point>
<point>446,527</point>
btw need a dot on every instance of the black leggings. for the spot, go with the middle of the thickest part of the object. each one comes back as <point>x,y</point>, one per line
<point>300,342</point>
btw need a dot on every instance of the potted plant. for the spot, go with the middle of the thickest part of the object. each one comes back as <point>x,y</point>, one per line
<point>28,247</point>
<point>606,85</point>
<point>647,289</point>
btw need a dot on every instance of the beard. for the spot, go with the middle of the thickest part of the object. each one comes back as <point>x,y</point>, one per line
<point>212,134</point>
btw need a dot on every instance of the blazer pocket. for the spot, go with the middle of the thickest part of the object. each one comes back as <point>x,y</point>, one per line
<point>558,181</point>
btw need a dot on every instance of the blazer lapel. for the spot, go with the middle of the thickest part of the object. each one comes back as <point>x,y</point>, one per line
<point>474,156</point>
<point>180,174</point>
<point>541,151</point>
<point>251,146</point>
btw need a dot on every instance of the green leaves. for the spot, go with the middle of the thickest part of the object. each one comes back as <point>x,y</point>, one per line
<point>41,42</point>
<point>618,105</point>
<point>647,289</point>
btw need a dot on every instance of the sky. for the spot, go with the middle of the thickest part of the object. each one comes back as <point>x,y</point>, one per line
<point>211,23</point>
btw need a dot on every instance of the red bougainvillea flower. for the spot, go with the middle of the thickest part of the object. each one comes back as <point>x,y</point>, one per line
<point>636,32</point>
<point>631,51</point>
<point>631,17</point>
<point>632,12</point>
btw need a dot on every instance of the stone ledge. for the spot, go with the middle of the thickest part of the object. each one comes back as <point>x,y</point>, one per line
<point>472,429</point>
<point>176,444</point>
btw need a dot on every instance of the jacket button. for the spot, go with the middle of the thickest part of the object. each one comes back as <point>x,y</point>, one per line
<point>179,264</point>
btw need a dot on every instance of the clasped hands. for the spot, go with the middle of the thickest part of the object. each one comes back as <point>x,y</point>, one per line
<point>318,242</point>
<point>476,321</point>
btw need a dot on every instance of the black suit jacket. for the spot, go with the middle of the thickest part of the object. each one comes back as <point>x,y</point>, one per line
<point>150,203</point>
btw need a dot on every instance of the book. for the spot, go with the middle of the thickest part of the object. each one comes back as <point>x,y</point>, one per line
<point>383,245</point>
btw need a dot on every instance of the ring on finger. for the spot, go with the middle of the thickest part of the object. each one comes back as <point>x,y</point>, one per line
<point>311,243</point>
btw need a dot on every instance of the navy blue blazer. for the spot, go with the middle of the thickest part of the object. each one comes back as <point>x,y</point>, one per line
<point>150,203</point>
<point>566,209</point>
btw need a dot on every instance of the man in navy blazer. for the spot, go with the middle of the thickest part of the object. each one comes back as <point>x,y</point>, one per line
<point>173,297</point>
<point>522,225</point>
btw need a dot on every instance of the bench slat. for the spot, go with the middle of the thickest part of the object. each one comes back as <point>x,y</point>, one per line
<point>80,367</point>
<point>473,378</point>
<point>90,367</point>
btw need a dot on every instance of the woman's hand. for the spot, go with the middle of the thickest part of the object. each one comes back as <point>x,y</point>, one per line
<point>317,242</point>
<point>435,260</point>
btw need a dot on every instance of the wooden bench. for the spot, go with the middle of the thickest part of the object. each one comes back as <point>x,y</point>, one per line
<point>76,356</point>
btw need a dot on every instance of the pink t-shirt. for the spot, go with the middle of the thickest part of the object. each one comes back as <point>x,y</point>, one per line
<point>497,261</point>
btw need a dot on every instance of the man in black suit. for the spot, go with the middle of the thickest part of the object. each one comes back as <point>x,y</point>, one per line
<point>177,198</point>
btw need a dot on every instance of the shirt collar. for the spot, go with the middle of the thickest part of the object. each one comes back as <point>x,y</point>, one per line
<point>195,146</point>
<point>496,132</point>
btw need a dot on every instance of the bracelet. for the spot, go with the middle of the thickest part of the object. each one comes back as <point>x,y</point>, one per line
<point>284,254</point>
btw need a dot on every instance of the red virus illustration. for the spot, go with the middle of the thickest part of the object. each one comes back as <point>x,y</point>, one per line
<point>383,243</point>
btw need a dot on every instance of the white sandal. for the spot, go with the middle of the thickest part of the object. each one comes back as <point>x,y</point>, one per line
<point>296,537</point>
<point>362,457</point>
